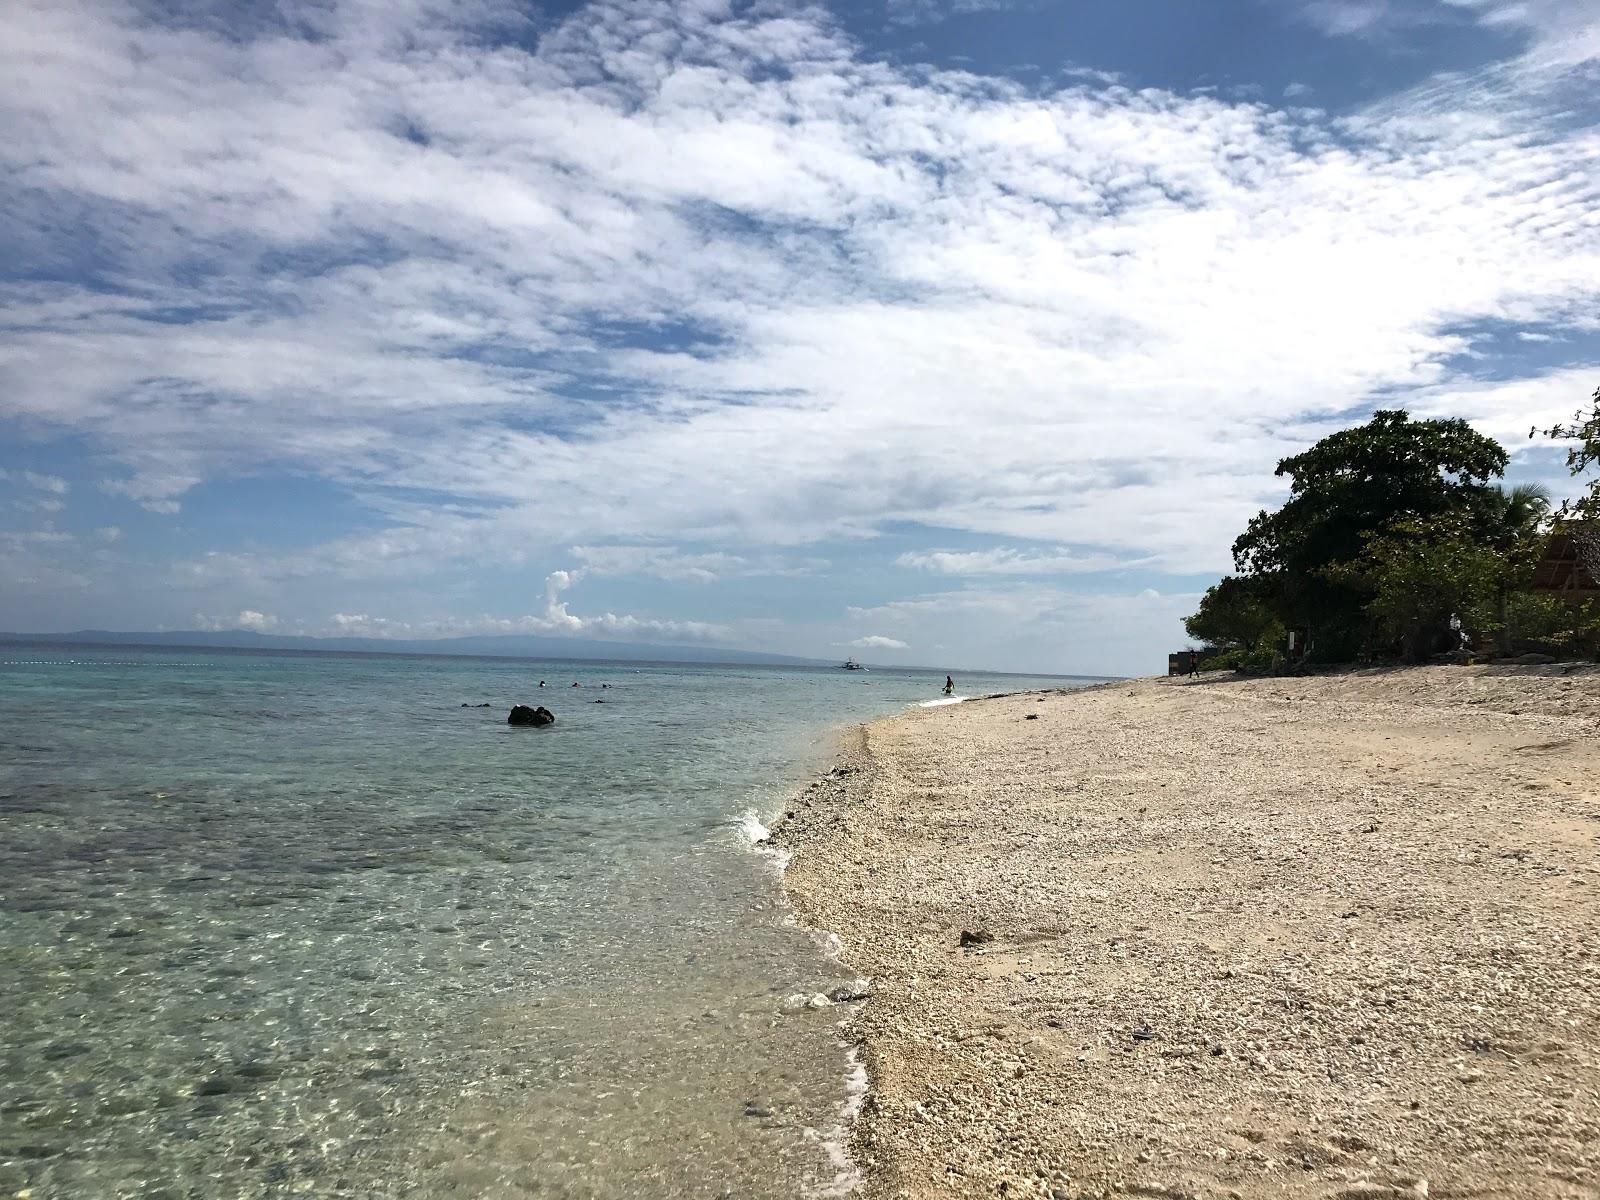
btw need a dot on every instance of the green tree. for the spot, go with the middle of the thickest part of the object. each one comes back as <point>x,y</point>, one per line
<point>1515,527</point>
<point>1232,614</point>
<point>1420,574</point>
<point>1349,488</point>
<point>1584,430</point>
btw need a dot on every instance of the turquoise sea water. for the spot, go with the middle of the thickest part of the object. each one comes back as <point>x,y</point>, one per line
<point>296,924</point>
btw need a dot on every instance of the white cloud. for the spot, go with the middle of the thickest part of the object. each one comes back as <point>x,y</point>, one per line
<point>931,12</point>
<point>1560,33</point>
<point>1010,561</point>
<point>247,619</point>
<point>1091,315</point>
<point>1344,18</point>
<point>554,619</point>
<point>878,642</point>
<point>1036,627</point>
<point>53,484</point>
<point>1563,32</point>
<point>1508,409</point>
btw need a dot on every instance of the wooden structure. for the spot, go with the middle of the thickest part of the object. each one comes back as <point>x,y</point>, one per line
<point>1562,568</point>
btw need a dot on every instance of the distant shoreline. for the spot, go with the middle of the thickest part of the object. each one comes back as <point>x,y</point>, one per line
<point>1228,937</point>
<point>621,653</point>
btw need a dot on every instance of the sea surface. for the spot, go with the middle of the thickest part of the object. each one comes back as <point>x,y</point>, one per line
<point>288,924</point>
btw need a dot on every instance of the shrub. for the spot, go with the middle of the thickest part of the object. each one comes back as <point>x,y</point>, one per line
<point>1546,623</point>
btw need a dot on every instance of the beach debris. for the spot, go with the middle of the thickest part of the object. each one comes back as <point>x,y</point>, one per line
<point>1031,717</point>
<point>856,989</point>
<point>523,715</point>
<point>976,937</point>
<point>754,1109</point>
<point>1145,1034</point>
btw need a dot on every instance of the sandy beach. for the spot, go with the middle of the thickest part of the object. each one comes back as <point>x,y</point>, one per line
<point>1315,937</point>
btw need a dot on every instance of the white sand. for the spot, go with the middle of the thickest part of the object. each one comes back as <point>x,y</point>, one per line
<point>1325,937</point>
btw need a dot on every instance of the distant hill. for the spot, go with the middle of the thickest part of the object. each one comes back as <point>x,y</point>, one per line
<point>501,646</point>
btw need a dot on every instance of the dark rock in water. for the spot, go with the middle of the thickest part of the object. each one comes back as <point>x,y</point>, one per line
<point>485,704</point>
<point>976,937</point>
<point>523,715</point>
<point>599,701</point>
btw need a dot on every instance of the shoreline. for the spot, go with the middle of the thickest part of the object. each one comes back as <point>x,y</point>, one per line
<point>1322,936</point>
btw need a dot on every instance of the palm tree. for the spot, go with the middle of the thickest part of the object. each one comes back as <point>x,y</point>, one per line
<point>1516,527</point>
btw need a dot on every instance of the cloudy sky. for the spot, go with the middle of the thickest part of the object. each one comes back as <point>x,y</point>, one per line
<point>947,332</point>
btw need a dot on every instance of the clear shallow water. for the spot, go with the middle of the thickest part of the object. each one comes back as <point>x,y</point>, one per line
<point>277,925</point>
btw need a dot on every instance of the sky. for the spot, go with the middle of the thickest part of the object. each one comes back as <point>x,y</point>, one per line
<point>956,333</point>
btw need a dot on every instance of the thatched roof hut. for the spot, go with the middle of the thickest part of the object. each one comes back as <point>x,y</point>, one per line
<point>1568,565</point>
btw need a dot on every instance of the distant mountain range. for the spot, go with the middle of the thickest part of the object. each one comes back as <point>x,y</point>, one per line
<point>507,646</point>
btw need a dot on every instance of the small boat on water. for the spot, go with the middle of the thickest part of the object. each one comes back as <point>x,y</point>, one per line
<point>851,664</point>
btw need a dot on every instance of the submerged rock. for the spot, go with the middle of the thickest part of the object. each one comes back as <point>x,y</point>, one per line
<point>858,989</point>
<point>523,715</point>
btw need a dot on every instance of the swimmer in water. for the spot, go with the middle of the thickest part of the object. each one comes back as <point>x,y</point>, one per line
<point>949,686</point>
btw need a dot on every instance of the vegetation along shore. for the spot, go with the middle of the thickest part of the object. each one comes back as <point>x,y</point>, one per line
<point>1322,936</point>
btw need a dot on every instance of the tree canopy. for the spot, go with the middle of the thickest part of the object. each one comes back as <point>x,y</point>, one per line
<point>1584,430</point>
<point>1351,487</point>
<point>1359,481</point>
<point>1232,613</point>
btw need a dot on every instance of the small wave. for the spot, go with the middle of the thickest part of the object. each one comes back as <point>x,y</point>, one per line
<point>751,826</point>
<point>836,1142</point>
<point>755,834</point>
<point>943,701</point>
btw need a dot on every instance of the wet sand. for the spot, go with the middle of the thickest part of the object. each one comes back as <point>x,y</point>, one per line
<point>1330,937</point>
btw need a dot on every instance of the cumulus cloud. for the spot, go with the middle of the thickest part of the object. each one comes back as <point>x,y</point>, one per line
<point>554,619</point>
<point>247,619</point>
<point>879,642</point>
